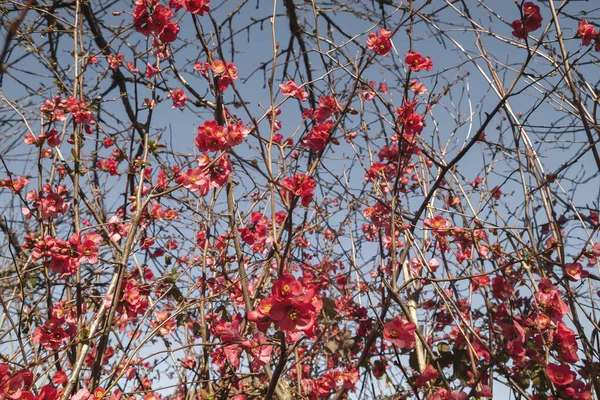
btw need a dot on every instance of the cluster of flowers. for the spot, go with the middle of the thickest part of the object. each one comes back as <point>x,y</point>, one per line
<point>134,300</point>
<point>290,88</point>
<point>56,110</point>
<point>255,233</point>
<point>212,172</point>
<point>64,256</point>
<point>14,184</point>
<point>17,385</point>
<point>151,18</point>
<point>380,42</point>
<point>59,329</point>
<point>331,381</point>
<point>292,305</point>
<point>224,72</point>
<point>49,202</point>
<point>387,174</point>
<point>234,344</point>
<point>530,340</point>
<point>213,137</point>
<point>318,137</point>
<point>51,137</point>
<point>411,122</point>
<point>299,185</point>
<point>531,21</point>
<point>416,62</point>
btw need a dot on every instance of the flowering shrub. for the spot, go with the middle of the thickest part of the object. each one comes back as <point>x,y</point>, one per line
<point>258,200</point>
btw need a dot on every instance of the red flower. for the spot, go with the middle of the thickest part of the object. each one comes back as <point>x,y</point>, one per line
<point>211,137</point>
<point>291,89</point>
<point>400,332</point>
<point>293,315</point>
<point>260,315</point>
<point>416,62</point>
<point>115,60</point>
<point>59,378</point>
<point>17,386</point>
<point>287,286</point>
<point>428,374</point>
<point>316,140</point>
<point>439,225</point>
<point>575,271</point>
<point>199,7</point>
<point>87,250</point>
<point>151,70</point>
<point>52,334</point>
<point>299,185</point>
<point>413,124</point>
<point>217,169</point>
<point>259,349</point>
<point>479,281</point>
<point>566,340</point>
<point>48,393</point>
<point>531,21</point>
<point>155,21</point>
<point>255,230</point>
<point>560,375</point>
<point>586,32</point>
<point>14,184</point>
<point>496,192</point>
<point>109,165</point>
<point>501,288</point>
<point>236,133</point>
<point>381,45</point>
<point>179,98</point>
<point>133,300</point>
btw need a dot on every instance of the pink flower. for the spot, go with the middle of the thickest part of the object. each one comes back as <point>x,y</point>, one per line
<point>52,205</point>
<point>82,394</point>
<point>316,140</point>
<point>560,375</point>
<point>17,387</point>
<point>400,332</point>
<point>199,7</point>
<point>428,374</point>
<point>211,137</point>
<point>151,71</point>
<point>575,271</point>
<point>292,315</point>
<point>52,137</point>
<point>413,124</point>
<point>51,335</point>
<point>586,32</point>
<point>291,89</point>
<point>286,287</point>
<point>299,185</point>
<point>179,98</point>
<point>381,45</point>
<point>416,62</point>
<point>230,331</point>
<point>115,60</point>
<point>259,350</point>
<point>87,250</point>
